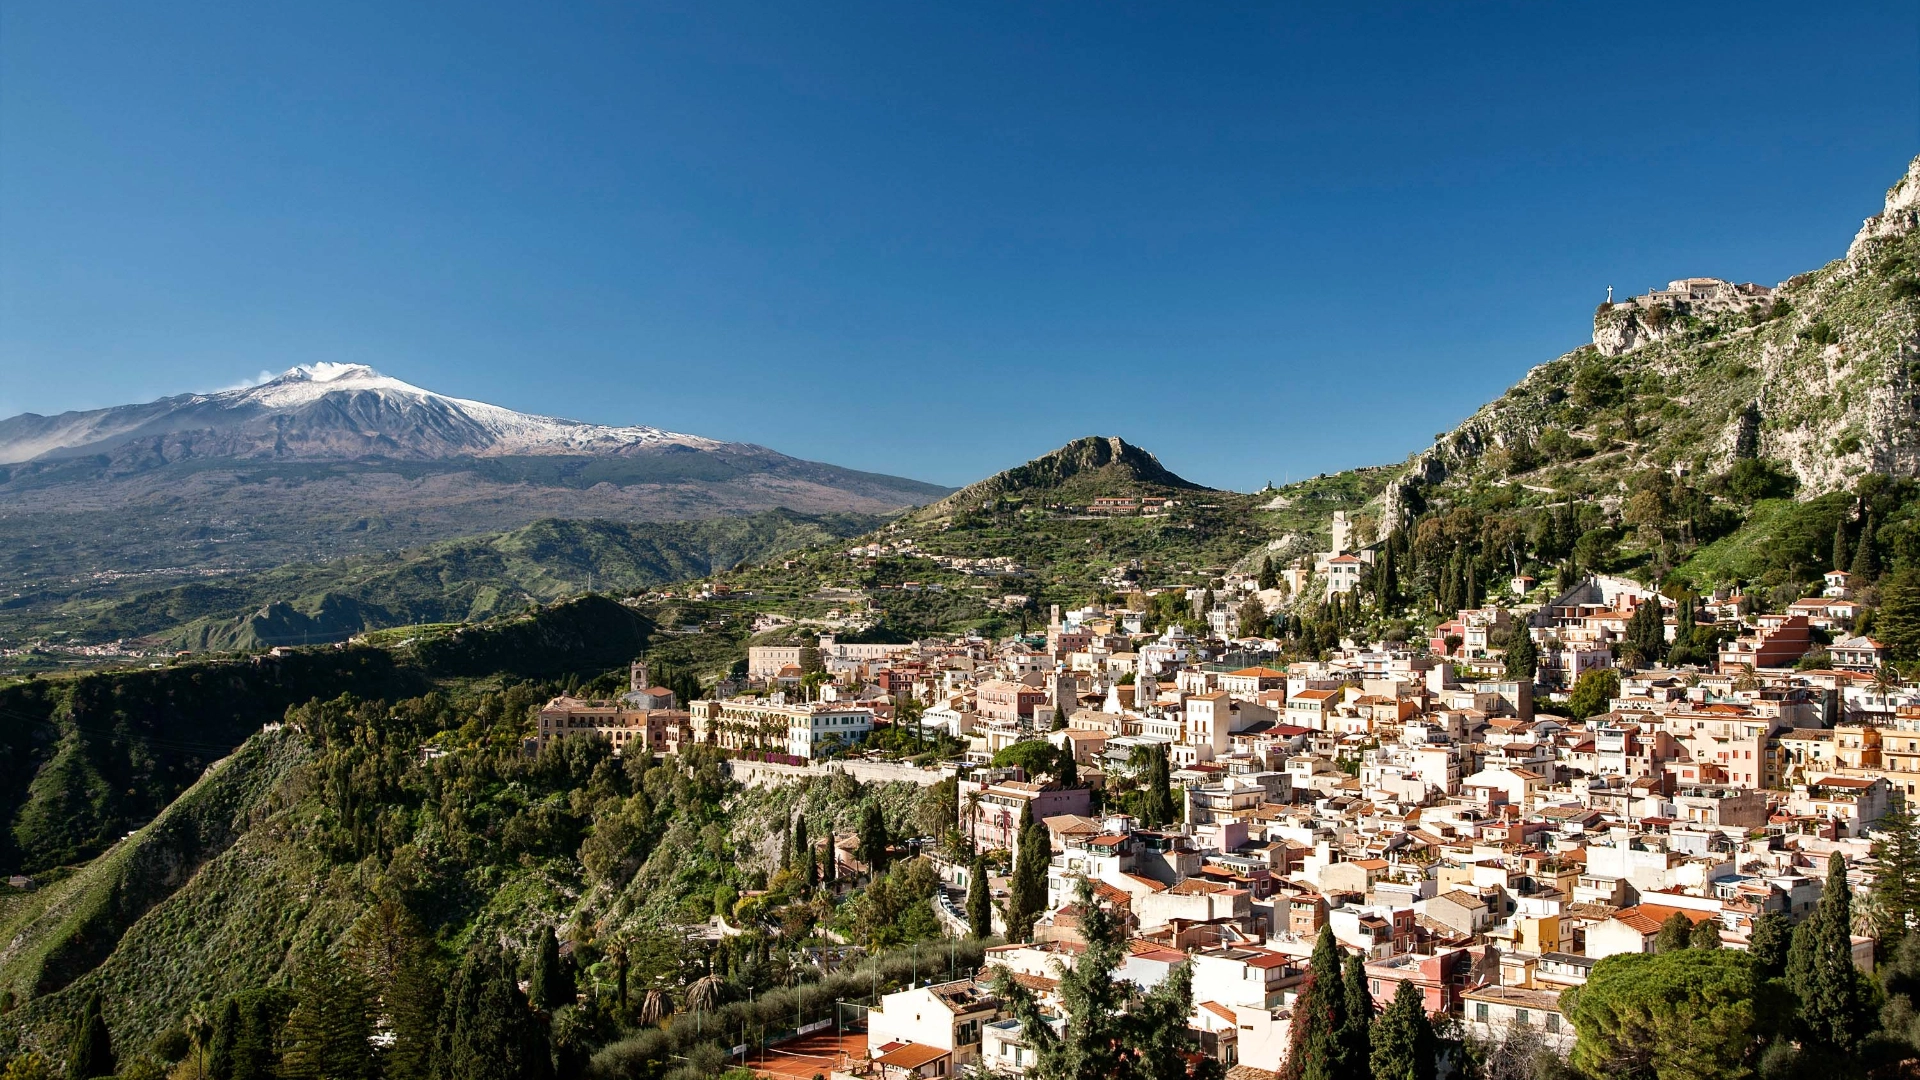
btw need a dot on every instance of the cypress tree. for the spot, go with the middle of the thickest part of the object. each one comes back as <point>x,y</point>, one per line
<point>1065,769</point>
<point>1404,1046</point>
<point>1268,578</point>
<point>225,1030</point>
<point>1705,935</point>
<point>1356,1033</point>
<point>1319,1014</point>
<point>805,866</point>
<point>248,1047</point>
<point>489,1032</point>
<point>1841,549</point>
<point>544,985</point>
<point>979,899</point>
<point>1027,892</point>
<point>829,862</point>
<point>1772,934</point>
<point>1523,658</point>
<point>873,839</point>
<point>90,1049</point>
<point>1835,1000</point>
<point>1674,934</point>
<point>1865,566</point>
<point>1156,808</point>
<point>800,848</point>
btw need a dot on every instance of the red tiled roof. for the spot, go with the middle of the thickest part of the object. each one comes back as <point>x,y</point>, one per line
<point>911,1056</point>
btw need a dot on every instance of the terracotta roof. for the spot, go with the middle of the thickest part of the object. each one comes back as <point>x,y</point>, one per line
<point>1220,1011</point>
<point>1647,918</point>
<point>1036,982</point>
<point>912,1056</point>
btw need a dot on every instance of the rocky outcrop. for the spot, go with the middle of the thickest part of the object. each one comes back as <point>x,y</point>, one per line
<point>1818,373</point>
<point>1901,214</point>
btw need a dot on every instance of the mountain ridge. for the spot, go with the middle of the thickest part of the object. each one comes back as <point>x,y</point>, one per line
<point>1820,376</point>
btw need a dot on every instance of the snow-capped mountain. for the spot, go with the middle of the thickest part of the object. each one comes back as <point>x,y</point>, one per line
<point>331,459</point>
<point>322,411</point>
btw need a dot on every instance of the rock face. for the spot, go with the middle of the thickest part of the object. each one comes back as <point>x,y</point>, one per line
<point>1819,373</point>
<point>1901,213</point>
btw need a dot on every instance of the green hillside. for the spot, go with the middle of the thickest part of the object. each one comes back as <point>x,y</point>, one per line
<point>453,581</point>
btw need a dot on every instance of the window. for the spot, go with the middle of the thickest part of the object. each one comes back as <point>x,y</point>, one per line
<point>1553,1022</point>
<point>1519,1016</point>
<point>1480,1011</point>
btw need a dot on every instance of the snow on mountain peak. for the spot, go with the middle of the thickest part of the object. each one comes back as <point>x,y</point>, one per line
<point>508,430</point>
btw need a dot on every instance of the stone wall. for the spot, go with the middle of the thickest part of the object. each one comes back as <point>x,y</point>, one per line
<point>769,773</point>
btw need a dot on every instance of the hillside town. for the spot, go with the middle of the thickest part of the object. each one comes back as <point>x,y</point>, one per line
<point>1484,814</point>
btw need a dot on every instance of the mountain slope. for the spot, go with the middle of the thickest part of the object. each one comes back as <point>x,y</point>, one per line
<point>1084,469</point>
<point>1818,374</point>
<point>451,581</point>
<point>333,460</point>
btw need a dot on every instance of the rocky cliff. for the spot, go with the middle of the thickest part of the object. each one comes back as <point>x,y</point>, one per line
<point>1818,373</point>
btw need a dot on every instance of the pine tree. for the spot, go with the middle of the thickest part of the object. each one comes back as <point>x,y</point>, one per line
<point>1110,1032</point>
<point>1319,1014</point>
<point>1897,623</point>
<point>1896,884</point>
<point>979,899</point>
<point>543,987</point>
<point>90,1049</point>
<point>1404,1046</point>
<point>1836,1008</point>
<point>326,1033</point>
<point>413,1013</point>
<point>1772,935</point>
<point>1356,1033</point>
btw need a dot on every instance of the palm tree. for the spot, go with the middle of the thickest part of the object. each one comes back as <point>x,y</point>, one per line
<point>656,1006</point>
<point>974,799</point>
<point>1886,680</point>
<point>200,1030</point>
<point>704,994</point>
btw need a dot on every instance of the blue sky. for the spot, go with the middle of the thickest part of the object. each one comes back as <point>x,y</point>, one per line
<point>928,240</point>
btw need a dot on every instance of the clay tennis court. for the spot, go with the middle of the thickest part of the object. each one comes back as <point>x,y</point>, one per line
<point>802,1058</point>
